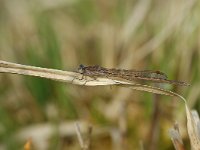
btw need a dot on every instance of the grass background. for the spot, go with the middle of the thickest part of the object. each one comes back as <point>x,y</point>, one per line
<point>146,34</point>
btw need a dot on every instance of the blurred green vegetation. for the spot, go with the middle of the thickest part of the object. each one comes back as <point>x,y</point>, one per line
<point>157,35</point>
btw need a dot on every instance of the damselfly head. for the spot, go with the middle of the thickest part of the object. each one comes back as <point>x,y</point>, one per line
<point>81,68</point>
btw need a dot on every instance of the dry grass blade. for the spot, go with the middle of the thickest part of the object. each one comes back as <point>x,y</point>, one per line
<point>176,138</point>
<point>80,138</point>
<point>197,121</point>
<point>54,74</point>
<point>193,128</point>
<point>152,89</point>
<point>84,144</point>
<point>78,78</point>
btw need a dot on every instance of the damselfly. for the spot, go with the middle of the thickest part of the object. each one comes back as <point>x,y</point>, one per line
<point>130,75</point>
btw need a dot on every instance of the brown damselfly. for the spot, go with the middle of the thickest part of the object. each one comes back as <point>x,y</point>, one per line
<point>130,75</point>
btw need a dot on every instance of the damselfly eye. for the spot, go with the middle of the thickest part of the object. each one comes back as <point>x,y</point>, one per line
<point>81,68</point>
